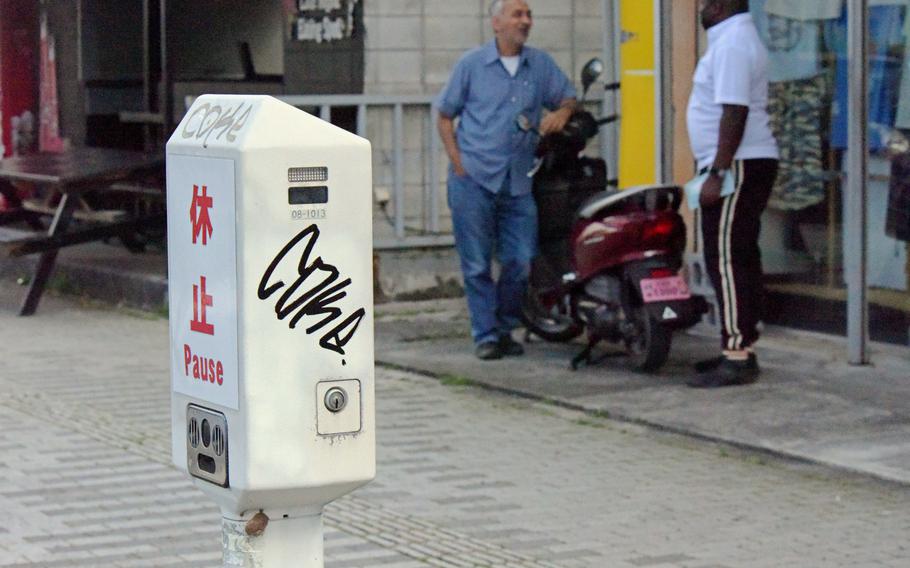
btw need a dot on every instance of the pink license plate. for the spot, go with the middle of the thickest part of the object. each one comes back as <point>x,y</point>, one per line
<point>664,289</point>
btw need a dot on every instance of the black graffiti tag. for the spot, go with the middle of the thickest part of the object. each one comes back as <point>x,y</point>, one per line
<point>209,118</point>
<point>317,298</point>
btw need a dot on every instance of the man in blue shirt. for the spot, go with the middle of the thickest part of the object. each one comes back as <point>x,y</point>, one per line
<point>489,191</point>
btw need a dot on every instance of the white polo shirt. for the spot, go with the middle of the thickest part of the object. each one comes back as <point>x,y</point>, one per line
<point>734,70</point>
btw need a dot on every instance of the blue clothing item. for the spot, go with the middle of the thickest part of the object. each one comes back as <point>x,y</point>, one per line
<point>886,24</point>
<point>489,100</point>
<point>485,222</point>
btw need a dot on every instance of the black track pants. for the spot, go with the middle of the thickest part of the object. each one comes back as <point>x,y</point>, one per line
<point>730,234</point>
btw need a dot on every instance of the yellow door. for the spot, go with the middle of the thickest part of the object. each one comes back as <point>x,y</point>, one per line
<point>638,108</point>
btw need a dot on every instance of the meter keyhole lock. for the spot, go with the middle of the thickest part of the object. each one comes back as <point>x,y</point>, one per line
<point>336,399</point>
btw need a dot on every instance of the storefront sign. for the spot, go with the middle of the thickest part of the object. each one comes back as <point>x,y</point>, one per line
<point>325,20</point>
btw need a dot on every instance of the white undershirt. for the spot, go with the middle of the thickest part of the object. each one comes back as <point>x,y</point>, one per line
<point>510,63</point>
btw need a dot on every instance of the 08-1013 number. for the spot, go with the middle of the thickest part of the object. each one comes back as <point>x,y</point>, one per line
<point>306,214</point>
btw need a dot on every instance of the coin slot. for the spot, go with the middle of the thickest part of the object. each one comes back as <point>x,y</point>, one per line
<point>206,463</point>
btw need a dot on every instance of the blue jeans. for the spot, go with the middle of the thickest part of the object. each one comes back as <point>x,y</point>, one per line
<point>486,223</point>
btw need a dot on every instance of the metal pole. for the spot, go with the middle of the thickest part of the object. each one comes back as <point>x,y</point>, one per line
<point>609,140</point>
<point>398,167</point>
<point>855,245</point>
<point>662,69</point>
<point>659,100</point>
<point>166,100</point>
<point>434,170</point>
<point>147,143</point>
<point>284,542</point>
<point>362,121</point>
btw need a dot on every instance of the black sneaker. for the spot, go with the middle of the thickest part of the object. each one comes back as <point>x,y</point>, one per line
<point>728,373</point>
<point>509,347</point>
<point>710,364</point>
<point>488,351</point>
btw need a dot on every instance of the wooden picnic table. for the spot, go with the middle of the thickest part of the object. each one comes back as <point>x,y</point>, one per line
<point>65,176</point>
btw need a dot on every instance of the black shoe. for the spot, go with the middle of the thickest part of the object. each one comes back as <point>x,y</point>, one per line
<point>728,373</point>
<point>509,347</point>
<point>710,364</point>
<point>488,351</point>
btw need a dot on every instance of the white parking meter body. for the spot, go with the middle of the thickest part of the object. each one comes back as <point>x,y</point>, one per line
<point>270,305</point>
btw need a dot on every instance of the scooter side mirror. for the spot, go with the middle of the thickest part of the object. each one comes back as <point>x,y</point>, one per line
<point>592,70</point>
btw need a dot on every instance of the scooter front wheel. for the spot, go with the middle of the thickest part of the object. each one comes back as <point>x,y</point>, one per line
<point>649,346</point>
<point>551,321</point>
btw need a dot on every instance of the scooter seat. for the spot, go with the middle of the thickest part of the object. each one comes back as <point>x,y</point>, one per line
<point>646,197</point>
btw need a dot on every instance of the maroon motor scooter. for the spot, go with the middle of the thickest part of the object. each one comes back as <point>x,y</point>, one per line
<point>609,260</point>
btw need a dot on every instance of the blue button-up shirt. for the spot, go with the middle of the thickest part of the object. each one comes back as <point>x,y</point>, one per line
<point>489,100</point>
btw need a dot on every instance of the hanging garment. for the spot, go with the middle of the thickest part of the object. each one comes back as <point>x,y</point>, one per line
<point>903,106</point>
<point>795,108</point>
<point>793,45</point>
<point>898,220</point>
<point>886,25</point>
<point>886,262</point>
<point>818,9</point>
<point>806,9</point>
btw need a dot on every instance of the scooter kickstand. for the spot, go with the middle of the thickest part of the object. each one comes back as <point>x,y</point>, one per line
<point>584,356</point>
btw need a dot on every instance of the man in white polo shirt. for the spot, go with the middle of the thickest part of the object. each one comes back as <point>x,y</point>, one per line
<point>728,127</point>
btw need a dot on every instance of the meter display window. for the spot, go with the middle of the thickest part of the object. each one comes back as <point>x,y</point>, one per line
<point>308,195</point>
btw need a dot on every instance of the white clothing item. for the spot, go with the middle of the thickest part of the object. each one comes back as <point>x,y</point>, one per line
<point>510,63</point>
<point>793,45</point>
<point>734,71</point>
<point>805,9</point>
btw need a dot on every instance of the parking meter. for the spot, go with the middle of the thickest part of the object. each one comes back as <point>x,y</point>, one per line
<point>269,220</point>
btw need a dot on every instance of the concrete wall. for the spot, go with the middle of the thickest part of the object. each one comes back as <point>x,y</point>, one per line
<point>411,47</point>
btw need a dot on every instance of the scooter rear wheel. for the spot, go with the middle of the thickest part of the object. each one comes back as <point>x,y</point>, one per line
<point>649,347</point>
<point>553,323</point>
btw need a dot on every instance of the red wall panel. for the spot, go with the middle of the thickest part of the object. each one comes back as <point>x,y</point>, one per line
<point>18,66</point>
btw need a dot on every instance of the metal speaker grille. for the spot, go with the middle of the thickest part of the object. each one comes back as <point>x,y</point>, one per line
<point>218,441</point>
<point>299,175</point>
<point>193,432</point>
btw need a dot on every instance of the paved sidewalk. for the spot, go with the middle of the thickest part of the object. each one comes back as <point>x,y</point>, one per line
<point>809,404</point>
<point>467,477</point>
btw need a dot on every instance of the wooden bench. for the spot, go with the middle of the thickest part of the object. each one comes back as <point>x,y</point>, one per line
<point>85,214</point>
<point>65,177</point>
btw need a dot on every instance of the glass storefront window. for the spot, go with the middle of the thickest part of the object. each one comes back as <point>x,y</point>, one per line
<point>802,234</point>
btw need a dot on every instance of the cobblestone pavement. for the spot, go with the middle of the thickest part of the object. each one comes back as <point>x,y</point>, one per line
<point>466,477</point>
